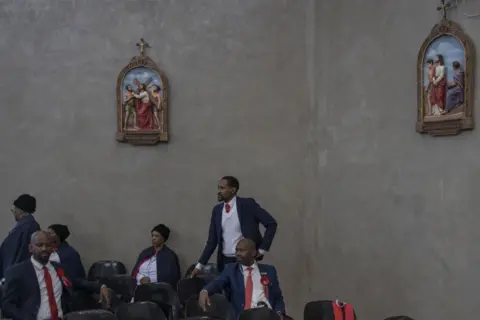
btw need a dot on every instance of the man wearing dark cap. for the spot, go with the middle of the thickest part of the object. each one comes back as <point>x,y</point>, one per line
<point>157,263</point>
<point>14,248</point>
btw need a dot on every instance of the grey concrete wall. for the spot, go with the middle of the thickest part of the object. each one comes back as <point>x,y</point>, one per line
<point>310,103</point>
<point>396,212</point>
<point>238,96</point>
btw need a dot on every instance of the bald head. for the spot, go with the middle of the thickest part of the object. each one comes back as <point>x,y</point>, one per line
<point>41,246</point>
<point>37,234</point>
<point>246,251</point>
<point>248,244</point>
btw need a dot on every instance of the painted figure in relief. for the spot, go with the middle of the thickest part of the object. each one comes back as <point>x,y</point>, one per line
<point>130,107</point>
<point>142,98</point>
<point>456,88</point>
<point>444,79</point>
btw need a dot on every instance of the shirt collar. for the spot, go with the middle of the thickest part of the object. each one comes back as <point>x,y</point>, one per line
<point>37,265</point>
<point>232,202</point>
<point>27,219</point>
<point>253,266</point>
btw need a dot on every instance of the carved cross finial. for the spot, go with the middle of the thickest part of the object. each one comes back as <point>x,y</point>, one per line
<point>443,8</point>
<point>142,45</point>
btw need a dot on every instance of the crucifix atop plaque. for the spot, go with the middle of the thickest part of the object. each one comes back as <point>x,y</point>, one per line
<point>445,78</point>
<point>142,45</point>
<point>142,101</point>
<point>443,7</point>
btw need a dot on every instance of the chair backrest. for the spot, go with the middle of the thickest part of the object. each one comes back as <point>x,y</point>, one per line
<point>189,287</point>
<point>82,300</point>
<point>122,284</point>
<point>163,295</point>
<point>259,314</point>
<point>208,269</point>
<point>140,311</point>
<point>220,308</point>
<point>324,310</point>
<point>115,302</point>
<point>90,315</point>
<point>202,318</point>
<point>105,268</point>
<point>399,318</point>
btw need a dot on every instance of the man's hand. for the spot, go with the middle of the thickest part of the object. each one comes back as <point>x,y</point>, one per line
<point>204,300</point>
<point>105,295</point>
<point>259,256</point>
<point>195,272</point>
<point>145,280</point>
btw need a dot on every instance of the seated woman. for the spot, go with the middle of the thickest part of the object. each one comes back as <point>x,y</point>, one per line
<point>157,263</point>
<point>65,254</point>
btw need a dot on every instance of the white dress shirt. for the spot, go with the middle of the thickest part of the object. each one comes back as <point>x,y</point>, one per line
<point>44,311</point>
<point>258,288</point>
<point>55,257</point>
<point>231,231</point>
<point>148,269</point>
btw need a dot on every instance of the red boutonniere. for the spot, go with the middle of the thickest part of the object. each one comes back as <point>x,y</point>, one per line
<point>265,280</point>
<point>63,277</point>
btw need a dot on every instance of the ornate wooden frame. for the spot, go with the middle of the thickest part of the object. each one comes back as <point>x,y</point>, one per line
<point>448,126</point>
<point>144,137</point>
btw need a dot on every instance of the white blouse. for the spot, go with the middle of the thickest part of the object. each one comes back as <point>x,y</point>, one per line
<point>148,269</point>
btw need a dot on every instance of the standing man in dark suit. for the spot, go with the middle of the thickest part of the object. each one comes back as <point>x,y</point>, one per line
<point>233,219</point>
<point>14,248</point>
<point>37,289</point>
<point>251,284</point>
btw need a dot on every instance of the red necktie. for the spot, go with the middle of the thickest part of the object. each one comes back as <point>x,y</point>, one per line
<point>227,207</point>
<point>51,296</point>
<point>248,289</point>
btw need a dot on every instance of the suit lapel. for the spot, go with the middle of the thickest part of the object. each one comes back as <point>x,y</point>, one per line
<point>240,212</point>
<point>32,274</point>
<point>240,282</point>
<point>218,221</point>
<point>264,272</point>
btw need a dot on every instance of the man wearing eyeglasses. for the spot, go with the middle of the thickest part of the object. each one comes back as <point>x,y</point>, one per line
<point>14,248</point>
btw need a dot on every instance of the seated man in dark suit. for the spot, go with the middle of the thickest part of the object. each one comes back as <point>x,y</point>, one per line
<point>250,284</point>
<point>37,289</point>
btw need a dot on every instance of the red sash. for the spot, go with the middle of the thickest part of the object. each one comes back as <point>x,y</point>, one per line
<point>342,311</point>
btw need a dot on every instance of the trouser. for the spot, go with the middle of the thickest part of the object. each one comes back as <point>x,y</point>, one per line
<point>223,260</point>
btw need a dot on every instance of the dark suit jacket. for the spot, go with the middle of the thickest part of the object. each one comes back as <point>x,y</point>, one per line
<point>71,261</point>
<point>14,248</point>
<point>21,300</point>
<point>232,280</point>
<point>168,268</point>
<point>250,215</point>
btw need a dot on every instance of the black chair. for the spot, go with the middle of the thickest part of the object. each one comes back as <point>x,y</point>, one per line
<point>163,295</point>
<point>140,311</point>
<point>209,272</point>
<point>90,315</point>
<point>105,269</point>
<point>122,284</point>
<point>220,308</point>
<point>115,302</point>
<point>189,287</point>
<point>82,300</point>
<point>319,310</point>
<point>262,313</point>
